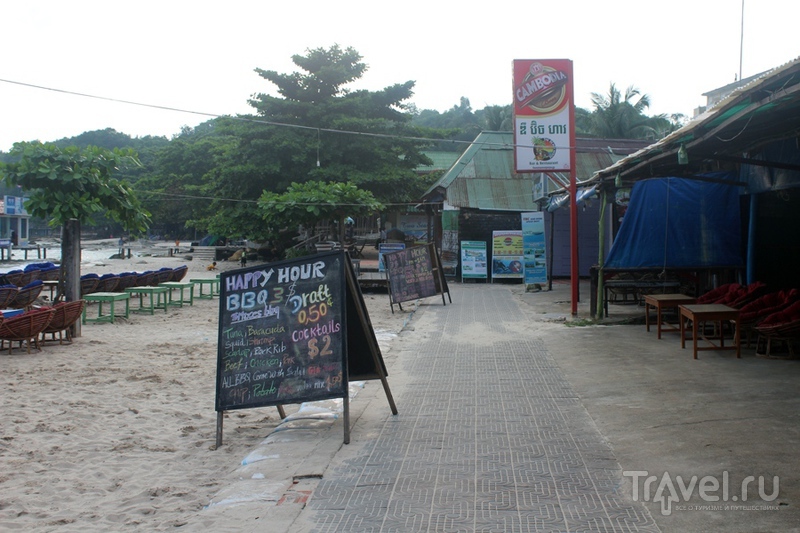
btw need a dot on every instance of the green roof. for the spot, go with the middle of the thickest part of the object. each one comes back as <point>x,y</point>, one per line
<point>441,161</point>
<point>484,177</point>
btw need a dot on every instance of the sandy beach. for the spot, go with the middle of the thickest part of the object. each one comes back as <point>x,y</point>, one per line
<point>117,430</point>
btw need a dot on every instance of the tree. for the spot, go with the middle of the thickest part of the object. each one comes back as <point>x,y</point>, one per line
<point>316,129</point>
<point>173,189</point>
<point>314,201</point>
<point>496,118</point>
<point>458,123</point>
<point>583,122</point>
<point>618,117</point>
<point>71,186</point>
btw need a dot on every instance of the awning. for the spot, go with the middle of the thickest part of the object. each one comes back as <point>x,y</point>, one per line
<point>559,201</point>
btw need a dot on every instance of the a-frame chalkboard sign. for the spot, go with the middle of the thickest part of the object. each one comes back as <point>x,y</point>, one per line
<point>294,331</point>
<point>415,273</point>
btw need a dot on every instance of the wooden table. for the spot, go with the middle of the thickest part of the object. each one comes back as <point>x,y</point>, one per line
<point>110,297</point>
<point>632,286</point>
<point>661,302</point>
<point>158,298</point>
<point>51,285</point>
<point>698,313</point>
<point>181,285</point>
<point>33,247</point>
<point>213,287</point>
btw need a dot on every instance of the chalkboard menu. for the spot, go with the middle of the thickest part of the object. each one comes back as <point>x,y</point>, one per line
<point>283,333</point>
<point>410,274</point>
<point>414,273</point>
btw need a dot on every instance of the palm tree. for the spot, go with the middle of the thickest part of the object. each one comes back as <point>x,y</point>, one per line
<point>496,118</point>
<point>615,117</point>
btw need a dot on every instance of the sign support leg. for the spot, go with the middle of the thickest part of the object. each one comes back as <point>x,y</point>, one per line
<point>346,416</point>
<point>388,394</point>
<point>218,444</point>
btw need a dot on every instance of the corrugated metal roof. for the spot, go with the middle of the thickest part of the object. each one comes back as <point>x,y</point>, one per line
<point>765,110</point>
<point>492,194</point>
<point>441,161</point>
<point>484,178</point>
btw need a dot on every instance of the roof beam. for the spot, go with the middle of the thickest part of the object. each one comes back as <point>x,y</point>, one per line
<point>756,162</point>
<point>673,149</point>
<point>744,112</point>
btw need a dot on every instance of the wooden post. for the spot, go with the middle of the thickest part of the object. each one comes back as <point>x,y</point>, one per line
<point>220,418</point>
<point>598,312</point>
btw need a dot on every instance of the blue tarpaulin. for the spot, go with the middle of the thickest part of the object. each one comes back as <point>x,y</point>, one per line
<point>210,240</point>
<point>680,223</point>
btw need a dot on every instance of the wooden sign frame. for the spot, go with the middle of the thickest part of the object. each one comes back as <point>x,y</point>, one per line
<point>294,331</point>
<point>409,262</point>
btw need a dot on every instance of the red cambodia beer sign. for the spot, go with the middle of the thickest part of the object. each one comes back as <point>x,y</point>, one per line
<point>542,87</point>
<point>543,118</point>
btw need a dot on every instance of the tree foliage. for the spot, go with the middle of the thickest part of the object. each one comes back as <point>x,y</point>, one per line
<point>316,129</point>
<point>315,201</point>
<point>311,127</point>
<point>73,183</point>
<point>174,189</point>
<point>618,116</point>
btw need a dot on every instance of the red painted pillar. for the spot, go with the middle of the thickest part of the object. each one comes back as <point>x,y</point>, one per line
<point>573,213</point>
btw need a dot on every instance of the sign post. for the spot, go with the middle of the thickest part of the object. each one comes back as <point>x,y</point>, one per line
<point>544,132</point>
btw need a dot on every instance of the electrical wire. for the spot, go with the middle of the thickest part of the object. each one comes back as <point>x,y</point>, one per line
<point>287,125</point>
<point>238,117</point>
<point>237,200</point>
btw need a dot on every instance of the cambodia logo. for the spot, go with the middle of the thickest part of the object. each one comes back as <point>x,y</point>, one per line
<point>544,89</point>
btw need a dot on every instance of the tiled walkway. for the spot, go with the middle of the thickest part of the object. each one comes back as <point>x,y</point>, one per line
<point>490,437</point>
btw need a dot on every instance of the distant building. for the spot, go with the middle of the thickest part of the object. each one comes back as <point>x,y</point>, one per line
<point>715,96</point>
<point>481,193</point>
<point>14,220</point>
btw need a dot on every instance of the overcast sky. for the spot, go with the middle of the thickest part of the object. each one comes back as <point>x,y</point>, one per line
<point>200,55</point>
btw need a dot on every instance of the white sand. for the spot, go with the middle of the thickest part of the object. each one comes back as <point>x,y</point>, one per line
<point>116,431</point>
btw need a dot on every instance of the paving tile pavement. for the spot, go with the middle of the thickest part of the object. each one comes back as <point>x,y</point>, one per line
<point>490,437</point>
